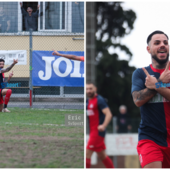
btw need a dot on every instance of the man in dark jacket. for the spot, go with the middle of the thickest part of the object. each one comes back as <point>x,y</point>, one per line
<point>30,18</point>
<point>123,120</point>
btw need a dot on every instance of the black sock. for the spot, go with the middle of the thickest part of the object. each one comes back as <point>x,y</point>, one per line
<point>5,106</point>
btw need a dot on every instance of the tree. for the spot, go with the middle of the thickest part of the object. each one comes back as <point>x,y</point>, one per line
<point>113,76</point>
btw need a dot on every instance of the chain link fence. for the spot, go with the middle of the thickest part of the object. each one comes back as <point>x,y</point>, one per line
<point>56,26</point>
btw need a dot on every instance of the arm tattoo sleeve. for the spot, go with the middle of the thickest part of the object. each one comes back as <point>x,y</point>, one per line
<point>143,94</point>
<point>7,69</point>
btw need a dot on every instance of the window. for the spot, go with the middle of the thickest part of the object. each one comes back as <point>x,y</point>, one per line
<point>62,16</point>
<point>78,17</point>
<point>8,17</point>
<point>53,17</point>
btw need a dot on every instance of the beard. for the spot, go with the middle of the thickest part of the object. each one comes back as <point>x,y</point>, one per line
<point>161,62</point>
<point>91,95</point>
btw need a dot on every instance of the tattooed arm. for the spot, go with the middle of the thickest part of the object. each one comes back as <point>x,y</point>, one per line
<point>4,70</point>
<point>140,92</point>
<point>140,97</point>
<point>143,96</point>
<point>150,83</point>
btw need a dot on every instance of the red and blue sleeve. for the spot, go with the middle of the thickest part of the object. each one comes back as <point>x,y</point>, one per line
<point>138,80</point>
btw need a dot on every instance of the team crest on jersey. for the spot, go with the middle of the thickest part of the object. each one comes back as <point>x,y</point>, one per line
<point>91,106</point>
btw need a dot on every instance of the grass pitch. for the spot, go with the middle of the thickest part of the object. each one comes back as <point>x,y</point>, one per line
<point>36,138</point>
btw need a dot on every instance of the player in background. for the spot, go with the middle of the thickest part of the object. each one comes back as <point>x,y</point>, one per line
<point>99,116</point>
<point>154,102</point>
<point>4,92</point>
<point>8,94</point>
<point>72,57</point>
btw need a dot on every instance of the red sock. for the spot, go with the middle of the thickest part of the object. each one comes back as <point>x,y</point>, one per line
<point>88,162</point>
<point>108,162</point>
<point>7,97</point>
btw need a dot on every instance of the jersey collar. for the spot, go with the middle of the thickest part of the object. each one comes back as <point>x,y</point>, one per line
<point>157,70</point>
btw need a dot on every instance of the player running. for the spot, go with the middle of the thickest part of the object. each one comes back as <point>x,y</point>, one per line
<point>99,116</point>
<point>154,130</point>
<point>6,92</point>
<point>72,57</point>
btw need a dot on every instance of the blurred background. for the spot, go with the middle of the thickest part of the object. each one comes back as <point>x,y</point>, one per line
<point>115,46</point>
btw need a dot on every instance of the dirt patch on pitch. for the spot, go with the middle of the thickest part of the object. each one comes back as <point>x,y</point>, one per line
<point>41,153</point>
<point>23,151</point>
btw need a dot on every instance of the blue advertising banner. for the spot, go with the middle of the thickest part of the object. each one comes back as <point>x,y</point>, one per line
<point>49,70</point>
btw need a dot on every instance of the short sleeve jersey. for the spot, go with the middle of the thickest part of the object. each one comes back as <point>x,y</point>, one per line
<point>95,115</point>
<point>155,114</point>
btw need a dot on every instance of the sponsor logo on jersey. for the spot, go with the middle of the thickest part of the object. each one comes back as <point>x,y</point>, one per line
<point>158,99</point>
<point>90,112</point>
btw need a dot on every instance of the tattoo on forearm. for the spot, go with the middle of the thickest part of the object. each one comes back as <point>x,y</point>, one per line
<point>7,69</point>
<point>143,94</point>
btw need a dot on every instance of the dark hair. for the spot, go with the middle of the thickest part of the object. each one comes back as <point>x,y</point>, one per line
<point>90,82</point>
<point>29,7</point>
<point>153,33</point>
<point>2,60</point>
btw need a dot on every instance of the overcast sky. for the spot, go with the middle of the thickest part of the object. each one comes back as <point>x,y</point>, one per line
<point>151,16</point>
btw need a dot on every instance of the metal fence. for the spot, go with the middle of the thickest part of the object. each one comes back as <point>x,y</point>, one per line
<point>56,25</point>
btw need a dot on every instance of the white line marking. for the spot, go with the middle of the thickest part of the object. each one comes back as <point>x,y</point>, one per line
<point>36,124</point>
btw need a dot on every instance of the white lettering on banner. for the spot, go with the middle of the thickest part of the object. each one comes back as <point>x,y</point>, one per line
<point>56,67</point>
<point>48,69</point>
<point>76,69</point>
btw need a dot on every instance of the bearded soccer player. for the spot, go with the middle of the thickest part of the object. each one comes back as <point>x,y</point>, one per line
<point>153,99</point>
<point>99,116</point>
<point>6,92</point>
<point>72,57</point>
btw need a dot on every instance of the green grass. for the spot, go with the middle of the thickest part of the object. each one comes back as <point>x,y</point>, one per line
<point>28,141</point>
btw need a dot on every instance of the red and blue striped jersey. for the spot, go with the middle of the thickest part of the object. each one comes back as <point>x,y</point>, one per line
<point>155,114</point>
<point>95,115</point>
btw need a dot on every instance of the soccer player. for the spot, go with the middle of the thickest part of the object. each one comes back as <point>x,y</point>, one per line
<point>99,116</point>
<point>72,57</point>
<point>6,92</point>
<point>154,130</point>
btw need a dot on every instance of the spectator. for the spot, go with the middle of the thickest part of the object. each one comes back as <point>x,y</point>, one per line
<point>123,120</point>
<point>30,17</point>
<point>4,21</point>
